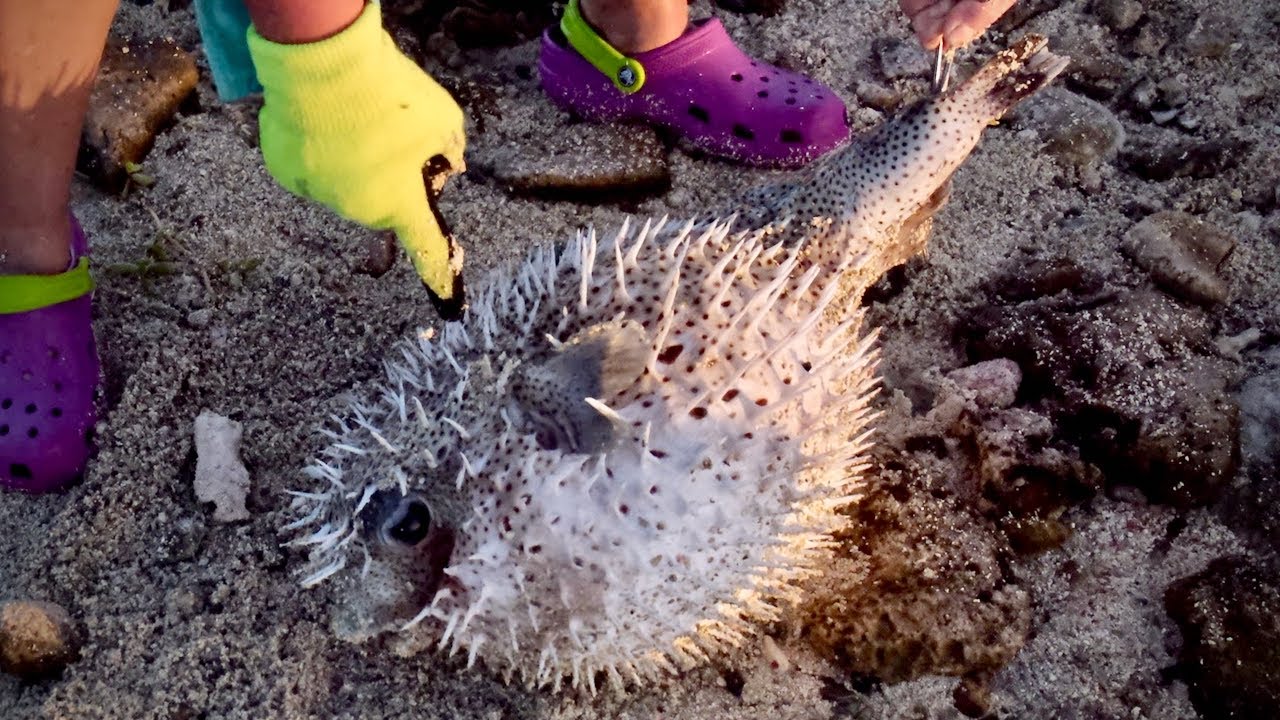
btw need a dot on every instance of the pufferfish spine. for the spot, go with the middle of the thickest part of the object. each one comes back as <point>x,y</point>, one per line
<point>631,451</point>
<point>717,496</point>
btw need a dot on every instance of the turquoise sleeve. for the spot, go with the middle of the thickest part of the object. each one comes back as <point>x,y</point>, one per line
<point>224,25</point>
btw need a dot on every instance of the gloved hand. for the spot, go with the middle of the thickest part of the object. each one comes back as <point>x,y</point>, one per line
<point>352,123</point>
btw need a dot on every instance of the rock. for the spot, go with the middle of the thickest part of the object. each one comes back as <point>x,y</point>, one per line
<point>471,24</point>
<point>878,96</point>
<point>1026,478</point>
<point>37,639</point>
<point>1229,616</point>
<point>901,59</point>
<point>991,384</point>
<point>1212,35</point>
<point>1260,419</point>
<point>1181,449</point>
<point>593,162</point>
<point>1144,94</point>
<point>1119,15</point>
<point>1189,158</point>
<point>199,317</point>
<point>1174,91</point>
<point>1130,379</point>
<point>972,696</point>
<point>1149,41</point>
<point>1021,13</point>
<point>1044,277</point>
<point>1183,254</point>
<point>1075,129</point>
<point>379,255</point>
<point>139,88</point>
<point>916,589</point>
<point>220,477</point>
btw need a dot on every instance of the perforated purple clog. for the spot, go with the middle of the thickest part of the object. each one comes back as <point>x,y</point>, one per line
<point>700,86</point>
<point>48,373</point>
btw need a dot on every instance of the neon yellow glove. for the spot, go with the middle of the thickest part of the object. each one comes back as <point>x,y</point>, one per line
<point>352,123</point>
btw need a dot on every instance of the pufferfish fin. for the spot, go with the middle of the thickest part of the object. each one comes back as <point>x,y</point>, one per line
<point>597,362</point>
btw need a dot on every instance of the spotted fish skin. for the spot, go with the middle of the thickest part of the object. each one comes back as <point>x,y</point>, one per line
<point>632,450</point>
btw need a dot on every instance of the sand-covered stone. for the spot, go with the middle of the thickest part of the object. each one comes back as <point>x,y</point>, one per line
<point>37,639</point>
<point>1078,131</point>
<point>587,162</point>
<point>1126,380</point>
<point>140,87</point>
<point>1119,14</point>
<point>1230,621</point>
<point>917,589</point>
<point>1184,255</point>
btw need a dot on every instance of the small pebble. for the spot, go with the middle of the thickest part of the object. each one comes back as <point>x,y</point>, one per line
<point>992,383</point>
<point>220,476</point>
<point>1119,15</point>
<point>37,639</point>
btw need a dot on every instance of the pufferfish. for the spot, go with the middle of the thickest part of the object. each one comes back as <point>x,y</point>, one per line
<point>633,448</point>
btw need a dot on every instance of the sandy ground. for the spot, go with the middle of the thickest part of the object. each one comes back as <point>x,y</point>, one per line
<point>265,321</point>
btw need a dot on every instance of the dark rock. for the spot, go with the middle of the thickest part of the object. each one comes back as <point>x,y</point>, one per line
<point>916,588</point>
<point>378,256</point>
<point>900,59</point>
<point>1027,478</point>
<point>1182,449</point>
<point>139,89</point>
<point>1098,76</point>
<point>1183,254</point>
<point>767,8</point>
<point>1190,158</point>
<point>972,696</point>
<point>1131,380</point>
<point>1076,130</point>
<point>593,162</point>
<point>1260,418</point>
<point>1150,40</point>
<point>1212,35</point>
<point>472,23</point>
<point>1229,616</point>
<point>37,639</point>
<point>1021,13</point>
<point>1119,15</point>
<point>991,384</point>
<point>878,96</point>
<point>1045,277</point>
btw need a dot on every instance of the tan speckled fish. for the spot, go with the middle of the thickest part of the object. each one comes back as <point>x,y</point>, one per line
<point>631,449</point>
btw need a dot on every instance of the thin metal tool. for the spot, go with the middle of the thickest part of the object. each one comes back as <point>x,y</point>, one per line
<point>942,63</point>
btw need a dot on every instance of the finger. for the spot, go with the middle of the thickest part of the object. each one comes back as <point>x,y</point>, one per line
<point>970,18</point>
<point>912,7</point>
<point>430,249</point>
<point>928,24</point>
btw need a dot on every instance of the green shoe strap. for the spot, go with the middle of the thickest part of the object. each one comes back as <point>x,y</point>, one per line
<point>626,73</point>
<point>23,293</point>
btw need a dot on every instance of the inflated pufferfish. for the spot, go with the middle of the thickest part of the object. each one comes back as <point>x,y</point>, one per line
<point>632,449</point>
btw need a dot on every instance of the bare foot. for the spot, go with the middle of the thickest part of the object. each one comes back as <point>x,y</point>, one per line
<point>953,22</point>
<point>634,26</point>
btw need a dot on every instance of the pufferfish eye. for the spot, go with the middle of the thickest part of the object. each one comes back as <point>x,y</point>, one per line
<point>409,524</point>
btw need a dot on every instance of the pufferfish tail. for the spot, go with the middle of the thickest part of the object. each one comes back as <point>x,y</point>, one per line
<point>1010,77</point>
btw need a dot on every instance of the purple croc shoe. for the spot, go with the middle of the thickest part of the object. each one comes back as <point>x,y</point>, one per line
<point>48,372</point>
<point>700,86</point>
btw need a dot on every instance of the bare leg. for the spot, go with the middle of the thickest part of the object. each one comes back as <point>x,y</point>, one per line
<point>633,26</point>
<point>49,53</point>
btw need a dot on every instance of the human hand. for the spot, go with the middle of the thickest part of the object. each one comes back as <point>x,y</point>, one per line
<point>955,23</point>
<point>352,123</point>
